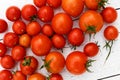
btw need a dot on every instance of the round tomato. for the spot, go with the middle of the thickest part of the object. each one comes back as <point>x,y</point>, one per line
<point>56,76</point>
<point>18,75</point>
<point>109,14</point>
<point>28,65</point>
<point>7,62</point>
<point>39,3</point>
<point>73,10</point>
<point>62,23</point>
<point>37,76</point>
<point>54,3</point>
<point>5,75</point>
<point>3,26</point>
<point>91,21</point>
<point>76,62</point>
<point>55,61</point>
<point>13,13</point>
<point>3,49</point>
<point>41,45</point>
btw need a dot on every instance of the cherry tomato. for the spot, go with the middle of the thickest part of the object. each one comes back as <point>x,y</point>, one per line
<point>41,45</point>
<point>37,76</point>
<point>7,62</point>
<point>28,65</point>
<point>45,14</point>
<point>39,3</point>
<point>18,75</point>
<point>13,13</point>
<point>5,75</point>
<point>73,10</point>
<point>3,49</point>
<point>56,76</point>
<point>109,14</point>
<point>3,26</point>
<point>54,3</point>
<point>62,23</point>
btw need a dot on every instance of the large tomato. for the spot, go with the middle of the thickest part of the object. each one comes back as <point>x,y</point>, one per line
<point>18,75</point>
<point>73,7</point>
<point>3,25</point>
<point>5,75</point>
<point>37,76</point>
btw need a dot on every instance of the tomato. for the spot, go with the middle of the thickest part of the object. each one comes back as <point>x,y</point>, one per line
<point>58,41</point>
<point>29,12</point>
<point>5,75</point>
<point>18,75</point>
<point>39,3</point>
<point>41,45</point>
<point>37,76</point>
<point>55,61</point>
<point>56,76</point>
<point>10,39</point>
<point>33,28</point>
<point>19,27</point>
<point>18,52</point>
<point>62,23</point>
<point>3,25</point>
<point>13,13</point>
<point>54,3</point>
<point>45,14</point>
<point>28,65</point>
<point>75,62</point>
<point>109,14</point>
<point>25,40</point>
<point>7,62</point>
<point>111,33</point>
<point>76,37</point>
<point>91,49</point>
<point>3,49</point>
<point>73,10</point>
<point>91,21</point>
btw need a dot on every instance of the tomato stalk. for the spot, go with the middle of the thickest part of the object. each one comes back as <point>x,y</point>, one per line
<point>117,9</point>
<point>89,64</point>
<point>102,4</point>
<point>26,62</point>
<point>33,18</point>
<point>46,64</point>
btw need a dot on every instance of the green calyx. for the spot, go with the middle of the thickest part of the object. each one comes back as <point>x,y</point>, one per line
<point>46,64</point>
<point>89,64</point>
<point>101,4</point>
<point>91,29</point>
<point>26,62</point>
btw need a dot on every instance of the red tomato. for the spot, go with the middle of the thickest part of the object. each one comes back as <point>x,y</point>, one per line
<point>37,76</point>
<point>3,49</point>
<point>91,49</point>
<point>33,28</point>
<point>91,21</point>
<point>62,23</point>
<point>7,62</point>
<point>10,39</point>
<point>5,75</point>
<point>28,65</point>
<point>41,45</point>
<point>18,75</point>
<point>45,14</point>
<point>19,27</point>
<point>3,26</point>
<point>39,3</point>
<point>54,3</point>
<point>55,61</point>
<point>109,14</point>
<point>18,52</point>
<point>13,13</point>
<point>73,10</point>
<point>76,37</point>
<point>75,62</point>
<point>56,77</point>
<point>111,33</point>
<point>29,12</point>
<point>58,41</point>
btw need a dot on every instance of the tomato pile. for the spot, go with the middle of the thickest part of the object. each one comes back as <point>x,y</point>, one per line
<point>46,33</point>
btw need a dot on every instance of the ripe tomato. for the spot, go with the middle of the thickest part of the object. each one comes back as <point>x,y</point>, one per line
<point>45,14</point>
<point>109,14</point>
<point>33,28</point>
<point>18,75</point>
<point>37,76</point>
<point>73,10</point>
<point>75,62</point>
<point>91,21</point>
<point>39,3</point>
<point>54,3</point>
<point>91,49</point>
<point>18,52</point>
<point>56,76</point>
<point>19,27</point>
<point>28,65</point>
<point>10,39</point>
<point>41,45</point>
<point>111,33</point>
<point>76,37</point>
<point>13,13</point>
<point>5,75</point>
<point>3,26</point>
<point>55,61</point>
<point>29,12</point>
<point>58,41</point>
<point>7,62</point>
<point>3,49</point>
<point>62,23</point>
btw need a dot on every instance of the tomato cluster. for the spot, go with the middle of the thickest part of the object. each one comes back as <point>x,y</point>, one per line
<point>37,27</point>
